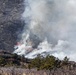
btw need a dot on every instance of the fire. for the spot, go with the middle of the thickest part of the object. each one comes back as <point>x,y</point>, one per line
<point>18,44</point>
<point>54,20</point>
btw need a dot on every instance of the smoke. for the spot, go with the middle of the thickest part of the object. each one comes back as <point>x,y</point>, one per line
<point>50,29</point>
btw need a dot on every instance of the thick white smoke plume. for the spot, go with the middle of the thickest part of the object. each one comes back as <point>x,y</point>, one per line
<point>50,29</point>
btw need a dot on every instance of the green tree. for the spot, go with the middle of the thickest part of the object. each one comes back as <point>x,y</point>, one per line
<point>49,63</point>
<point>2,61</point>
<point>66,59</point>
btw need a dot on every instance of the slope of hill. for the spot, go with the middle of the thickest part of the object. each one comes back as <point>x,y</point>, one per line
<point>12,64</point>
<point>10,22</point>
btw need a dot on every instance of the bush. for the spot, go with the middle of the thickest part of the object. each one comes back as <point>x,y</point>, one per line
<point>2,61</point>
<point>43,63</point>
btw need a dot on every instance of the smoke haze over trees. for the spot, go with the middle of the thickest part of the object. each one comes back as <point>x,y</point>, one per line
<point>50,29</point>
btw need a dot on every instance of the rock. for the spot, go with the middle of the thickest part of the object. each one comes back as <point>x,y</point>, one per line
<point>20,71</point>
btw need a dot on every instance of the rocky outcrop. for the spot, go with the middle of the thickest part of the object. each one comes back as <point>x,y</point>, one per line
<point>19,71</point>
<point>10,22</point>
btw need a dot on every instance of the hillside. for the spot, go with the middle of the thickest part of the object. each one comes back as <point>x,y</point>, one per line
<point>13,64</point>
<point>10,22</point>
<point>11,26</point>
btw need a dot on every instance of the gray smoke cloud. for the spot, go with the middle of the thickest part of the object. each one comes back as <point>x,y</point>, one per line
<point>51,27</point>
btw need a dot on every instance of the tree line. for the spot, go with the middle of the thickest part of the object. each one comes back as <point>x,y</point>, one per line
<point>48,62</point>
